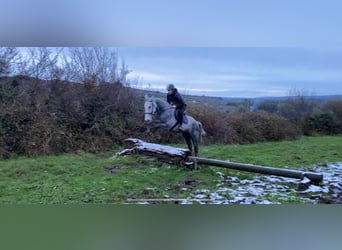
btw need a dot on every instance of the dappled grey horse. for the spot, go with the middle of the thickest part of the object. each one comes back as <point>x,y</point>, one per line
<point>191,129</point>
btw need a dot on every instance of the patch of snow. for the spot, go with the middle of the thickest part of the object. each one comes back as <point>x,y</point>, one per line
<point>216,196</point>
<point>305,181</point>
<point>203,191</point>
<point>263,189</point>
<point>200,196</point>
<point>268,202</point>
<point>255,191</point>
<point>185,201</point>
<point>315,189</point>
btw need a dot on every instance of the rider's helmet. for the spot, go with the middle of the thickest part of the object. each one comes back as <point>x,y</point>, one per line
<point>170,87</point>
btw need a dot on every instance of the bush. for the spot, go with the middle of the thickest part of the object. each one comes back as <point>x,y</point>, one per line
<point>334,109</point>
<point>270,106</point>
<point>246,127</point>
<point>260,126</point>
<point>319,124</point>
<point>42,117</point>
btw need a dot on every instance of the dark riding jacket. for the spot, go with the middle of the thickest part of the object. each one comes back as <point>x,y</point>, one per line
<point>176,99</point>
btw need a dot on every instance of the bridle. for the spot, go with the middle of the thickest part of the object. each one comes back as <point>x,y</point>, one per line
<point>152,107</point>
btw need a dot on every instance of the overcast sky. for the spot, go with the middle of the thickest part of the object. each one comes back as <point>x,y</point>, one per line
<point>215,47</point>
<point>236,71</point>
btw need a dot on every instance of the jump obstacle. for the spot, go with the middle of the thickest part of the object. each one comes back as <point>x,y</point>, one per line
<point>182,156</point>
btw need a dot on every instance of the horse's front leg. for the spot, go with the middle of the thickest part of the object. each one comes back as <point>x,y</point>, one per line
<point>153,128</point>
<point>160,125</point>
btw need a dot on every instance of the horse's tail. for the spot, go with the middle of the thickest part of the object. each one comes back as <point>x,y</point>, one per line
<point>201,132</point>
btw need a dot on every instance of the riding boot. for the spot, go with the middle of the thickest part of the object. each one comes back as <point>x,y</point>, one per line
<point>180,124</point>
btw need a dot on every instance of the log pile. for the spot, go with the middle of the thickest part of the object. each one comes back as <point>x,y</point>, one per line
<point>167,154</point>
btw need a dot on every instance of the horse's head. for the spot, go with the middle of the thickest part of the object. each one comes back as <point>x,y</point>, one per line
<point>150,108</point>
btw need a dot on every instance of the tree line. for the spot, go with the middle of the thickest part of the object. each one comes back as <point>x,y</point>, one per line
<point>58,100</point>
<point>313,116</point>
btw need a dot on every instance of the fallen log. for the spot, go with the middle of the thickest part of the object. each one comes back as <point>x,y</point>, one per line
<point>314,177</point>
<point>165,153</point>
<point>182,156</point>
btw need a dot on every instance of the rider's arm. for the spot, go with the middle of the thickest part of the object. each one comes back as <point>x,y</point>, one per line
<point>180,102</point>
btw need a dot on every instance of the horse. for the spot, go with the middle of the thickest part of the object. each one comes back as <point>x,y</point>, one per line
<point>191,129</point>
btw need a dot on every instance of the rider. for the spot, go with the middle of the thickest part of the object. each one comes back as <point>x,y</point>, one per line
<point>176,100</point>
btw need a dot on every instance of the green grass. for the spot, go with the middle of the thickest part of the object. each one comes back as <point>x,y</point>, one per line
<point>87,178</point>
<point>301,153</point>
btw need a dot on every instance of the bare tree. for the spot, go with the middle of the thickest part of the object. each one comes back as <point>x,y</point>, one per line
<point>299,105</point>
<point>94,65</point>
<point>124,71</point>
<point>7,58</point>
<point>40,63</point>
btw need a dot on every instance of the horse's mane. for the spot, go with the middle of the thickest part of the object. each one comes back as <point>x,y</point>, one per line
<point>164,105</point>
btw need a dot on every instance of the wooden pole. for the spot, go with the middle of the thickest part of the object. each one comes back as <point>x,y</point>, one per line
<point>314,177</point>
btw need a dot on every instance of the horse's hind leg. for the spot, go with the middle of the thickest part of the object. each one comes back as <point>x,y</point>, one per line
<point>196,148</point>
<point>194,138</point>
<point>187,138</point>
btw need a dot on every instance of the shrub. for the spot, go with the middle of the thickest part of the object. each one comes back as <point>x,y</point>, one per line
<point>246,127</point>
<point>212,121</point>
<point>334,109</point>
<point>43,117</point>
<point>260,126</point>
<point>270,106</point>
<point>319,124</point>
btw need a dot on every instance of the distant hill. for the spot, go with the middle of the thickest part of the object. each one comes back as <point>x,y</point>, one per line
<point>321,98</point>
<point>220,104</point>
<point>229,104</point>
<point>282,98</point>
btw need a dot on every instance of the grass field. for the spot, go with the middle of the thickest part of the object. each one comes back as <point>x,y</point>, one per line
<point>105,178</point>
